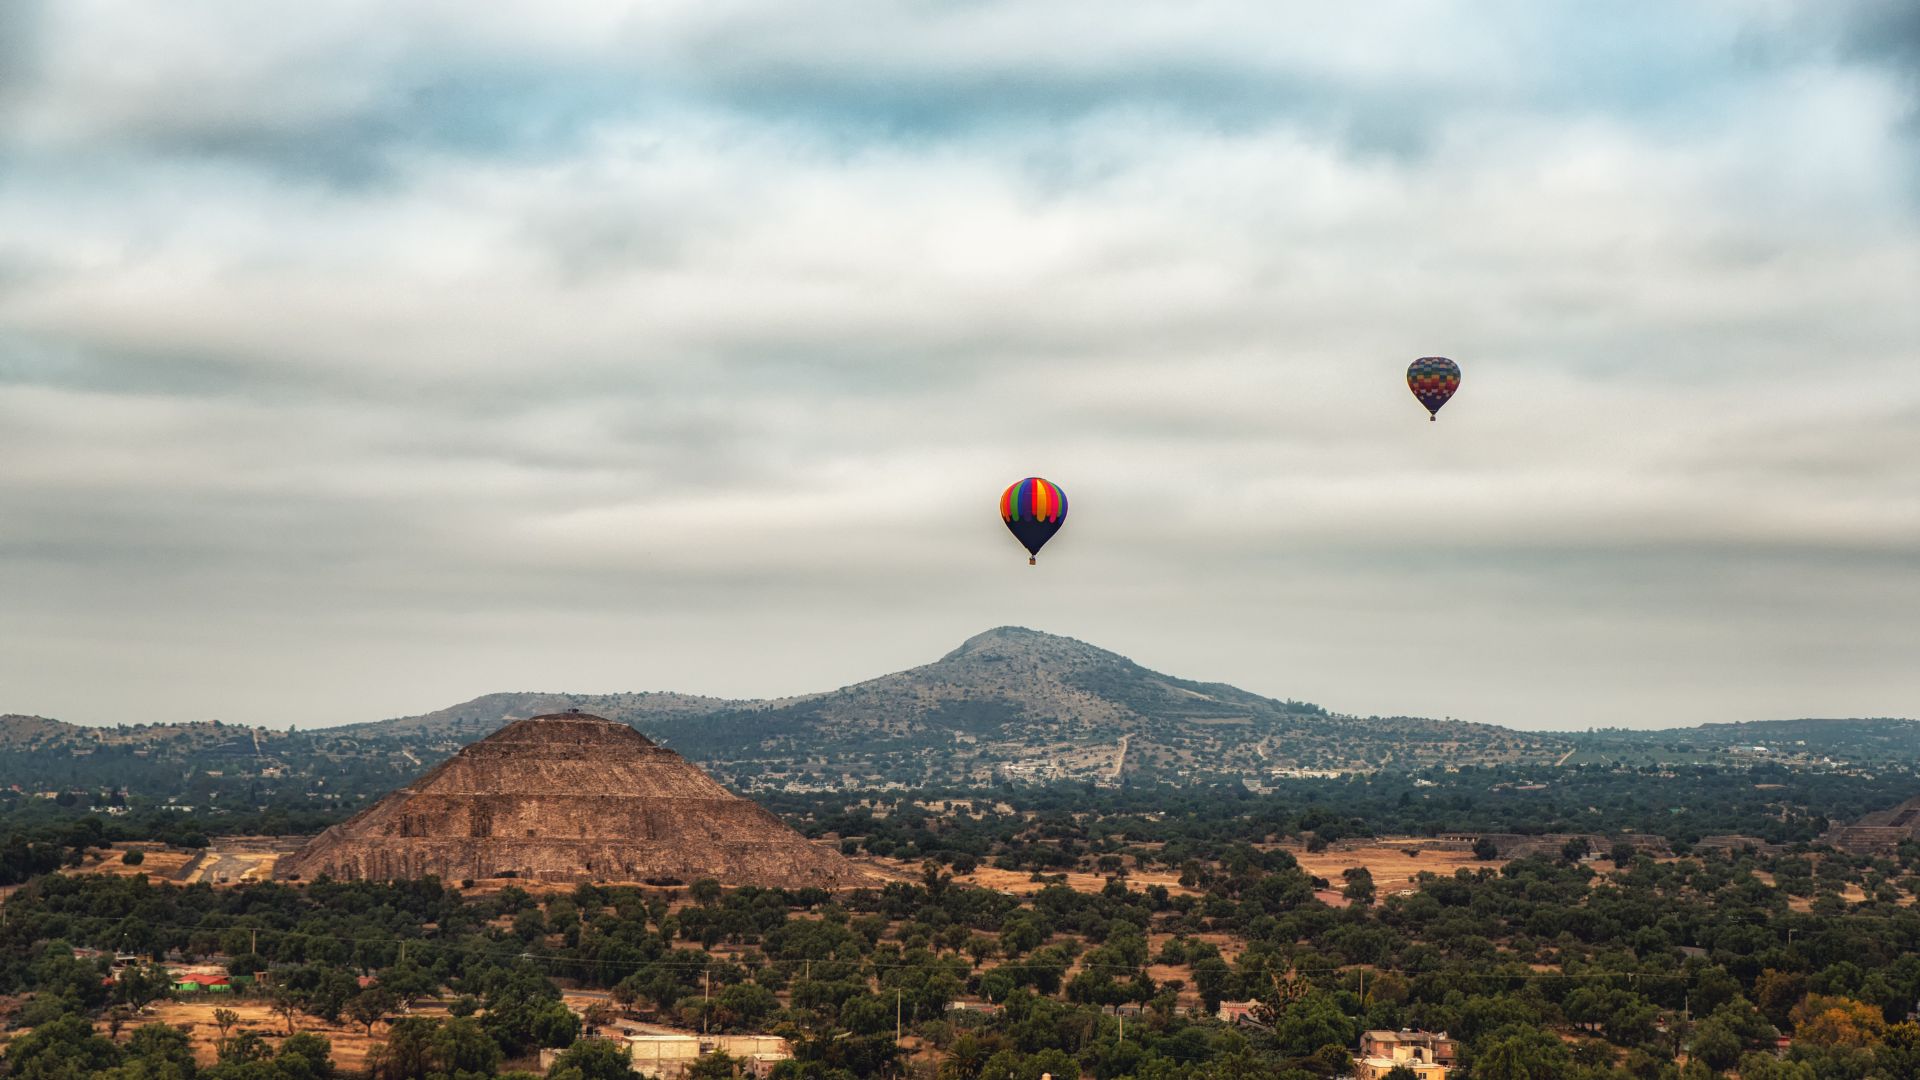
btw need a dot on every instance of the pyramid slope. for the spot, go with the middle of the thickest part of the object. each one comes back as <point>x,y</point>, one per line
<point>569,797</point>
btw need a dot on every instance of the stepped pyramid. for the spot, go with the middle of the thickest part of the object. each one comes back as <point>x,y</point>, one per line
<point>569,797</point>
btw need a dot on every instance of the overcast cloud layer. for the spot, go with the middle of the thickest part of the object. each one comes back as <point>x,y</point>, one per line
<point>359,358</point>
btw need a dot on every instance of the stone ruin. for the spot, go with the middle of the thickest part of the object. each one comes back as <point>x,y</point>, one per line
<point>569,797</point>
<point>1879,833</point>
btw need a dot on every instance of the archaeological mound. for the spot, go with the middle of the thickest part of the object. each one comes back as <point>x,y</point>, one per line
<point>569,797</point>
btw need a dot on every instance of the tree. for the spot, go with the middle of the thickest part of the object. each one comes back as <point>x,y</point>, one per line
<point>408,1053</point>
<point>1214,979</point>
<point>117,1018</point>
<point>370,1006</point>
<point>594,1059</point>
<point>1762,1066</point>
<point>1359,888</point>
<point>1716,1044</point>
<point>142,984</point>
<point>1522,1055</point>
<point>286,1004</point>
<point>62,1048</point>
<point>305,1055</point>
<point>715,1066</point>
<point>1310,1023</point>
<point>1899,1056</point>
<point>224,1019</point>
<point>1777,992</point>
<point>1837,1021</point>
<point>745,1005</point>
<point>418,1047</point>
<point>160,1052</point>
<point>244,1049</point>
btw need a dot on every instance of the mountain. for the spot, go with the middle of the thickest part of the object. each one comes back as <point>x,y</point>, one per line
<point>21,734</point>
<point>1010,704</point>
<point>1856,741</point>
<point>1018,704</point>
<point>18,732</point>
<point>473,719</point>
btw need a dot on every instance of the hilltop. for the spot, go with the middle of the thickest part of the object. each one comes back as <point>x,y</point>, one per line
<point>1018,704</point>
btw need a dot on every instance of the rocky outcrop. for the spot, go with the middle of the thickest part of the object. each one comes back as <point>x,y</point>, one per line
<point>569,797</point>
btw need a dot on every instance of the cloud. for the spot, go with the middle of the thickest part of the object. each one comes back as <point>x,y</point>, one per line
<point>1887,30</point>
<point>349,361</point>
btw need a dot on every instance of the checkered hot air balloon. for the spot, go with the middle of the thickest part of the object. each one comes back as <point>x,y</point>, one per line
<point>1034,509</point>
<point>1433,379</point>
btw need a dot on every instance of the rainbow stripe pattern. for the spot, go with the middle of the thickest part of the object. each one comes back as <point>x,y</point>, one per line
<point>1433,379</point>
<point>1033,509</point>
<point>1033,499</point>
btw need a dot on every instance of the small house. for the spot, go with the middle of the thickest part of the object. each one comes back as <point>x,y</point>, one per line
<point>1234,1012</point>
<point>195,982</point>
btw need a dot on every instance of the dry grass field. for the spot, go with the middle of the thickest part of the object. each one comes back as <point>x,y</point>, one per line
<point>350,1042</point>
<point>1020,883</point>
<point>1389,861</point>
<point>158,863</point>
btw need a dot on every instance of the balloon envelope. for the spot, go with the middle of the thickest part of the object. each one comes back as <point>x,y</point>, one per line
<point>1034,509</point>
<point>1433,379</point>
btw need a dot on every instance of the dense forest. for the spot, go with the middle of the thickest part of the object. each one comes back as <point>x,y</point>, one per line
<point>1544,968</point>
<point>1799,962</point>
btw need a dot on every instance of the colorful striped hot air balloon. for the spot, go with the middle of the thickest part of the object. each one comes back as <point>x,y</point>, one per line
<point>1433,379</point>
<point>1034,509</point>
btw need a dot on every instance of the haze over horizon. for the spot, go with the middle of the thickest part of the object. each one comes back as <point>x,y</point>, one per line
<point>367,358</point>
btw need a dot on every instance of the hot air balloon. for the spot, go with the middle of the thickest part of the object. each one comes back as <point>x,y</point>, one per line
<point>1433,379</point>
<point>1034,509</point>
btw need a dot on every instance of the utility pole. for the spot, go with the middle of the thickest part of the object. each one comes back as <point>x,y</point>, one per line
<point>706,1011</point>
<point>255,947</point>
<point>1360,1043</point>
<point>896,1016</point>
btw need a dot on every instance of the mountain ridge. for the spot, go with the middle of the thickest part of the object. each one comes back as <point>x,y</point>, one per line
<point>1009,704</point>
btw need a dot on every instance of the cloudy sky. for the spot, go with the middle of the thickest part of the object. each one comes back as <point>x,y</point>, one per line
<point>359,358</point>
